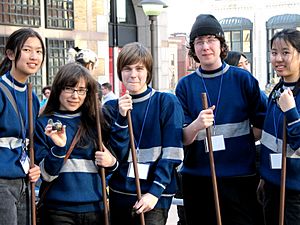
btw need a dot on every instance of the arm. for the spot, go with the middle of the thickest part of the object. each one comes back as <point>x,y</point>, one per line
<point>48,155</point>
<point>119,135</point>
<point>288,106</point>
<point>204,120</point>
<point>171,121</point>
<point>256,133</point>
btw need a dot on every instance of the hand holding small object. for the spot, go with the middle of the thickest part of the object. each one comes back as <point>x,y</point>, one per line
<point>57,132</point>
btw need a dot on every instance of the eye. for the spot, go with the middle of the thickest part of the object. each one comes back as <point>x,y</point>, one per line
<point>68,89</point>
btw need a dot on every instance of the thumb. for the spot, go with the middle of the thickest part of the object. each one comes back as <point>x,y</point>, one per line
<point>104,148</point>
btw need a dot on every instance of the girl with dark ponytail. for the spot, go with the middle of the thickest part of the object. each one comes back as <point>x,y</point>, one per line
<point>24,55</point>
<point>284,101</point>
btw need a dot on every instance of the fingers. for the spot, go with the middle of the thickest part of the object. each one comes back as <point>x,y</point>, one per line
<point>286,100</point>
<point>145,204</point>
<point>125,103</point>
<point>206,118</point>
<point>34,173</point>
<point>58,137</point>
<point>104,158</point>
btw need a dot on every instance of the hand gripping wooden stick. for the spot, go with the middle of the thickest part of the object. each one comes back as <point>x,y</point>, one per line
<point>31,152</point>
<point>283,174</point>
<point>134,162</point>
<point>212,164</point>
<point>102,171</point>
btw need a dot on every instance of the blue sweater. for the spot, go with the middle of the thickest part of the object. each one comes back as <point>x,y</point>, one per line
<point>272,143</point>
<point>241,104</point>
<point>160,145</point>
<point>10,127</point>
<point>76,185</point>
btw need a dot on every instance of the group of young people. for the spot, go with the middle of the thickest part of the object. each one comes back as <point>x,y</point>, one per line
<point>167,130</point>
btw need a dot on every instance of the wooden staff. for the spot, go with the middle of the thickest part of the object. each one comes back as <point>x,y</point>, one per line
<point>31,152</point>
<point>212,165</point>
<point>102,172</point>
<point>283,174</point>
<point>134,162</point>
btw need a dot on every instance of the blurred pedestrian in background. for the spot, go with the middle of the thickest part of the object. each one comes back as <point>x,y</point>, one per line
<point>107,92</point>
<point>46,93</point>
<point>86,58</point>
<point>238,59</point>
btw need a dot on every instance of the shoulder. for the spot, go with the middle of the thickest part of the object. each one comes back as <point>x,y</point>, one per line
<point>110,108</point>
<point>188,78</point>
<point>168,101</point>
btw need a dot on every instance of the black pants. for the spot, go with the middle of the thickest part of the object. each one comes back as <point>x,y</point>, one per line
<point>272,202</point>
<point>121,212</point>
<point>57,217</point>
<point>237,198</point>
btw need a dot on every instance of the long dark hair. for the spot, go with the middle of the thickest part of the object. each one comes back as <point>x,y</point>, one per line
<point>15,43</point>
<point>233,58</point>
<point>291,37</point>
<point>69,75</point>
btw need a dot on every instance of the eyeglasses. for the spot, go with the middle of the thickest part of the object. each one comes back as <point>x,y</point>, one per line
<point>209,40</point>
<point>80,91</point>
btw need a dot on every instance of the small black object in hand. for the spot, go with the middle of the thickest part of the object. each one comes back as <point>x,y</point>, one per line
<point>55,126</point>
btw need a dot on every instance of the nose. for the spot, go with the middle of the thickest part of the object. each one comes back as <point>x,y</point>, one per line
<point>33,55</point>
<point>133,73</point>
<point>205,45</point>
<point>75,93</point>
<point>278,57</point>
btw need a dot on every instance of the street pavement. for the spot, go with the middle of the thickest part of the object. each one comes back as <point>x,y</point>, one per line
<point>173,217</point>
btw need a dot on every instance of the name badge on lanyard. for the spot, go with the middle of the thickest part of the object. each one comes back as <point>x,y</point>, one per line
<point>143,169</point>
<point>275,160</point>
<point>218,143</point>
<point>24,160</point>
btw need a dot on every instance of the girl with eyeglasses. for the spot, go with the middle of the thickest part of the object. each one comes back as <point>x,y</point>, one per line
<point>284,101</point>
<point>75,196</point>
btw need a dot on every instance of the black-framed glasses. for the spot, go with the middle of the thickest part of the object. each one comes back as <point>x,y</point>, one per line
<point>71,90</point>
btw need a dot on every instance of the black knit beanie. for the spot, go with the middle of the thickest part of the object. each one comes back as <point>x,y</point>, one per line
<point>206,24</point>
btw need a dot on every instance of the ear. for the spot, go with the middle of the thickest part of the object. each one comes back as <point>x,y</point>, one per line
<point>90,67</point>
<point>10,54</point>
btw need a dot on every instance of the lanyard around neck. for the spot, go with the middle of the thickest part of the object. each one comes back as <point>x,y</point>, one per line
<point>23,121</point>
<point>276,125</point>
<point>219,95</point>
<point>143,125</point>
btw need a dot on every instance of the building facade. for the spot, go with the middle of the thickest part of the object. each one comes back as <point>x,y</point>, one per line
<point>62,24</point>
<point>249,27</point>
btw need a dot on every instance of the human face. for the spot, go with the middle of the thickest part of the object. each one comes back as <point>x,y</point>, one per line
<point>244,63</point>
<point>47,93</point>
<point>208,50</point>
<point>72,101</point>
<point>285,60</point>
<point>30,60</point>
<point>134,78</point>
<point>104,90</point>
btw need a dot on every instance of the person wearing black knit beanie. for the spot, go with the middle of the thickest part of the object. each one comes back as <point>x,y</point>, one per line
<point>235,104</point>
